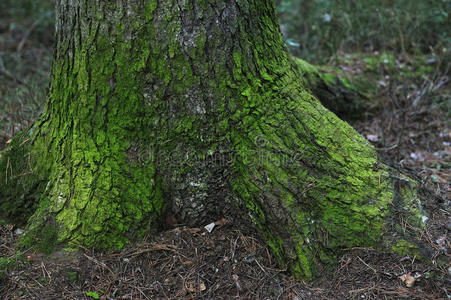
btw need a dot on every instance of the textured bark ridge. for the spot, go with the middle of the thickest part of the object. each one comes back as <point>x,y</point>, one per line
<point>195,108</point>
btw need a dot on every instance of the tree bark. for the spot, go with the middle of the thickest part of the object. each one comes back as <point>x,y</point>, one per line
<point>194,109</point>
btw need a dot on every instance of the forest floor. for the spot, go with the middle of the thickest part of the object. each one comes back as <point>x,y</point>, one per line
<point>408,120</point>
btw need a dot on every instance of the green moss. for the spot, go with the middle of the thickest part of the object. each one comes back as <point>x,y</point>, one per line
<point>10,263</point>
<point>345,97</point>
<point>40,237</point>
<point>342,202</point>
<point>21,180</point>
<point>72,276</point>
<point>275,243</point>
<point>403,248</point>
<point>93,168</point>
<point>408,201</point>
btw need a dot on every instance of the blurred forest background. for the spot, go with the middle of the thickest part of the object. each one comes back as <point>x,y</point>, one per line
<point>320,29</point>
<point>395,53</point>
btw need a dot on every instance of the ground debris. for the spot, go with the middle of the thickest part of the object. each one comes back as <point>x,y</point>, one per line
<point>186,264</point>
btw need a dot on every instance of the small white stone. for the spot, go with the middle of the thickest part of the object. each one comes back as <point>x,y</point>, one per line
<point>327,18</point>
<point>210,227</point>
<point>424,219</point>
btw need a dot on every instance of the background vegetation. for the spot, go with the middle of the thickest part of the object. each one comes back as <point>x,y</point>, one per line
<point>26,40</point>
<point>316,30</point>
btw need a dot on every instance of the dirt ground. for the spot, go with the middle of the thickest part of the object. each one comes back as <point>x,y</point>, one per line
<point>407,124</point>
<point>190,263</point>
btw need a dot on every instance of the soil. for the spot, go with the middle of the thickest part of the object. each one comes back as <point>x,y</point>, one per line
<point>190,263</point>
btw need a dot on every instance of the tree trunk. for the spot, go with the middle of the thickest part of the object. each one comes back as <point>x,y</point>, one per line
<point>194,109</point>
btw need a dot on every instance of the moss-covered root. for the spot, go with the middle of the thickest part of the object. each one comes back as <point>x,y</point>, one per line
<point>21,182</point>
<point>335,92</point>
<point>309,207</point>
<point>314,186</point>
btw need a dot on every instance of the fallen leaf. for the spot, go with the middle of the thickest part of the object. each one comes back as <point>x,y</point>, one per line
<point>382,83</point>
<point>235,278</point>
<point>193,230</point>
<point>417,156</point>
<point>210,227</point>
<point>407,279</point>
<point>372,137</point>
<point>222,221</point>
<point>441,240</point>
<point>192,287</point>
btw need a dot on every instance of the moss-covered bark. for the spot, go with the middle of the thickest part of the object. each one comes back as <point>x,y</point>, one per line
<point>195,108</point>
<point>336,93</point>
